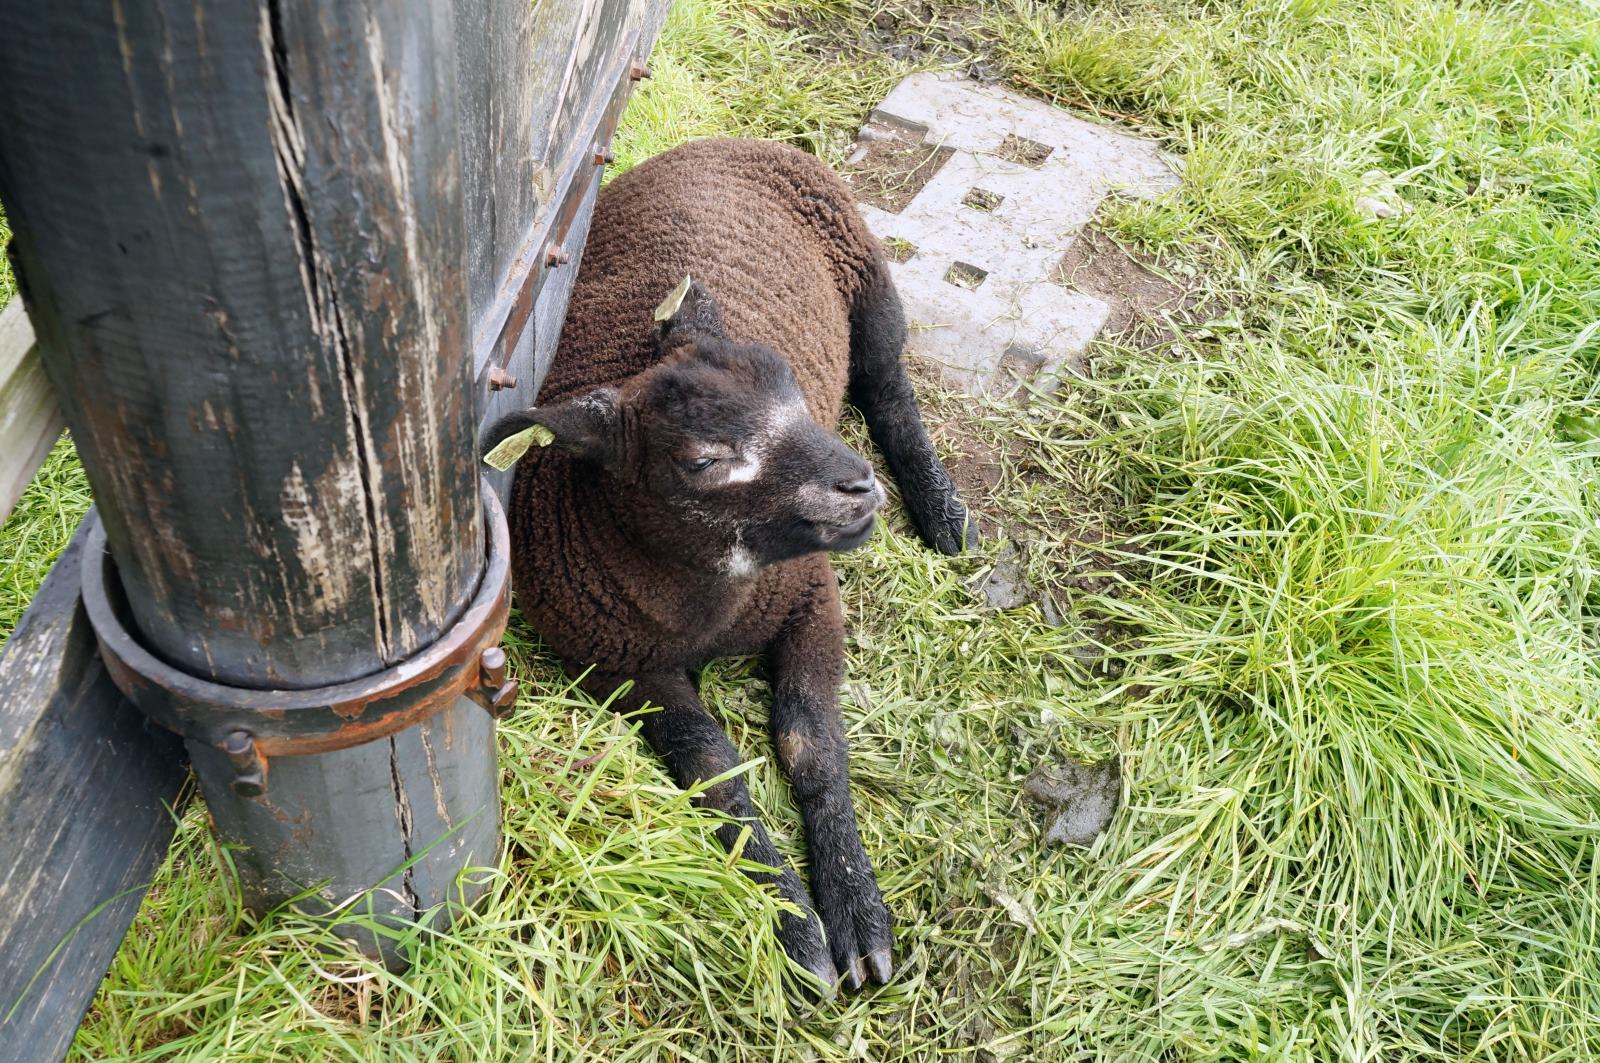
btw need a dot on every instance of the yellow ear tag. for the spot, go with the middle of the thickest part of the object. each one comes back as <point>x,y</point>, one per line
<point>674,299</point>
<point>508,450</point>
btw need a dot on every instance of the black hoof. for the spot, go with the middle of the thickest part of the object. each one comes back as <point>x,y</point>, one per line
<point>882,966</point>
<point>951,530</point>
<point>826,985</point>
<point>860,933</point>
<point>801,937</point>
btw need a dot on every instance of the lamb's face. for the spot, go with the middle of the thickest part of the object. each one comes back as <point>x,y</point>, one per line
<point>718,437</point>
<point>726,441</point>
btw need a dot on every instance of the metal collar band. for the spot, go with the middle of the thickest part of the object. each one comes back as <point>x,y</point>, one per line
<point>250,725</point>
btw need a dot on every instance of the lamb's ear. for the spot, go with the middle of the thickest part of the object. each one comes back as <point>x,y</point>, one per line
<point>696,316</point>
<point>587,426</point>
<point>509,425</point>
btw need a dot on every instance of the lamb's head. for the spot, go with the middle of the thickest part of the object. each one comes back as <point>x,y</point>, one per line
<point>719,437</point>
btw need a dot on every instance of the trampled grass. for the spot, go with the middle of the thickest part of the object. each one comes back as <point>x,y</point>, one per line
<point>1346,631</point>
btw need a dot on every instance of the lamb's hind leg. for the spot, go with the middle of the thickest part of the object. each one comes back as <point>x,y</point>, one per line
<point>808,663</point>
<point>694,749</point>
<point>880,389</point>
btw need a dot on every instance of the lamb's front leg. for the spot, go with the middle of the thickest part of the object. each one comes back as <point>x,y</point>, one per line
<point>694,748</point>
<point>808,665</point>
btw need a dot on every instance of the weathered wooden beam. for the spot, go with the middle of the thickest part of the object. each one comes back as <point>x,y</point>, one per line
<point>85,788</point>
<point>243,229</point>
<point>30,418</point>
<point>587,58</point>
<point>495,86</point>
<point>238,230</point>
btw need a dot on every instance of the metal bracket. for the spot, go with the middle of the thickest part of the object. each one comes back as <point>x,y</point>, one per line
<point>252,726</point>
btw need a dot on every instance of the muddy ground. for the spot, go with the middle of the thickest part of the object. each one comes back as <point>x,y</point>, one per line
<point>1047,553</point>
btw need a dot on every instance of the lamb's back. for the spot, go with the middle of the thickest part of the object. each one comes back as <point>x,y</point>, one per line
<point>770,232</point>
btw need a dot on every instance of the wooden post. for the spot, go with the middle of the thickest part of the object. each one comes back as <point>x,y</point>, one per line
<point>238,233</point>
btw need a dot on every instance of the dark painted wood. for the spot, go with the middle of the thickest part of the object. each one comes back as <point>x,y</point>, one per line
<point>497,91</point>
<point>85,788</point>
<point>241,238</point>
<point>554,40</point>
<point>426,797</point>
<point>583,55</point>
<point>256,243</point>
<point>608,32</point>
<point>530,360</point>
<point>241,241</point>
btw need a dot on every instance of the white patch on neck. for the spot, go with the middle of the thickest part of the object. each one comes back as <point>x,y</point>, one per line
<point>739,563</point>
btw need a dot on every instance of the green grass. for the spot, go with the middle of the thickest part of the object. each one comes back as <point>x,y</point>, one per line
<point>8,283</point>
<point>1350,635</point>
<point>38,529</point>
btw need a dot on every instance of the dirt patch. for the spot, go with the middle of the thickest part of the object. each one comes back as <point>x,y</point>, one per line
<point>965,275</point>
<point>1024,152</point>
<point>977,473</point>
<point>1012,486</point>
<point>977,465</point>
<point>982,199</point>
<point>887,171</point>
<point>898,250</point>
<point>911,31</point>
<point>1145,301</point>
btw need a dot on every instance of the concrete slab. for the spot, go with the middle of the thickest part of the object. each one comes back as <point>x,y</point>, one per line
<point>975,118</point>
<point>977,247</point>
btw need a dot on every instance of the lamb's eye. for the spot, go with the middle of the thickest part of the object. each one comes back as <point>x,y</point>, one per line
<point>699,464</point>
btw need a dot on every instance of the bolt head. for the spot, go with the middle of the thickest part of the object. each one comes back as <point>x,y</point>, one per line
<point>493,665</point>
<point>499,379</point>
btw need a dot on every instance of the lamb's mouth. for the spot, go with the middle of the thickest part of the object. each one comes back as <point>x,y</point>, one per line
<point>841,537</point>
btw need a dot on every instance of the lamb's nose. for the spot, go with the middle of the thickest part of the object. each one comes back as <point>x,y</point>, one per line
<point>859,486</point>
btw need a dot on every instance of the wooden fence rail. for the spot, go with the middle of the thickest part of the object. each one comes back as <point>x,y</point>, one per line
<point>30,417</point>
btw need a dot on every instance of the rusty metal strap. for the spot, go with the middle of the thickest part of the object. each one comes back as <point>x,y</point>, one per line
<point>252,725</point>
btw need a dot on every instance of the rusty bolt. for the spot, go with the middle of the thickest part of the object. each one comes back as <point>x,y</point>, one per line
<point>499,379</point>
<point>248,778</point>
<point>240,747</point>
<point>495,692</point>
<point>493,664</point>
<point>638,72</point>
<point>557,256</point>
<point>603,156</point>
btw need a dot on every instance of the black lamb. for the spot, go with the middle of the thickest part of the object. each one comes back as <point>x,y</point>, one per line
<point>696,485</point>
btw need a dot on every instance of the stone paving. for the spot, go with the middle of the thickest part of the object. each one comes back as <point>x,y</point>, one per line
<point>979,245</point>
